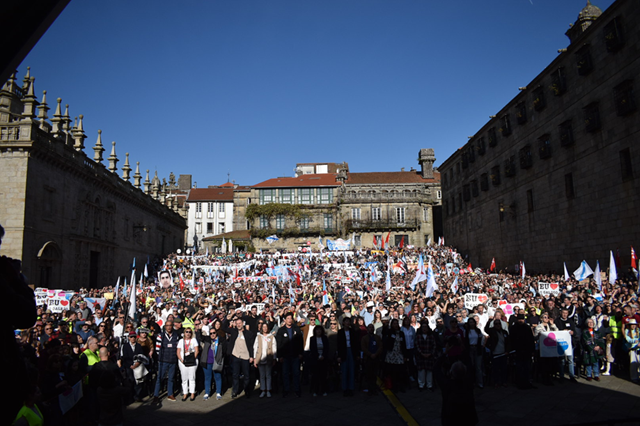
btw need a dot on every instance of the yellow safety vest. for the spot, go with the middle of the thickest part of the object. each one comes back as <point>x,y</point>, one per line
<point>616,328</point>
<point>34,418</point>
<point>92,358</point>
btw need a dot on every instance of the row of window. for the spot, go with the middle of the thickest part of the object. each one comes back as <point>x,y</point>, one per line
<point>210,209</point>
<point>624,101</point>
<point>386,194</point>
<point>296,196</point>
<point>472,189</point>
<point>210,228</point>
<point>400,214</point>
<point>304,223</point>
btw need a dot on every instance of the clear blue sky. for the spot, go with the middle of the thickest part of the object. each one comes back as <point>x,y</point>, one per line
<point>251,87</point>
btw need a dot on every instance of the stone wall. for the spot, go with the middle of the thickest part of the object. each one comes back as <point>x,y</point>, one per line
<point>567,200</point>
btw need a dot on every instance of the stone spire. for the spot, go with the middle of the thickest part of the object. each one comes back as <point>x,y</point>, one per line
<point>586,17</point>
<point>155,186</point>
<point>10,85</point>
<point>126,169</point>
<point>426,158</point>
<point>147,184</point>
<point>26,81</point>
<point>98,149</point>
<point>42,115</point>
<point>79,135</point>
<point>113,159</point>
<point>56,121</point>
<point>137,176</point>
<point>66,125</point>
<point>30,102</point>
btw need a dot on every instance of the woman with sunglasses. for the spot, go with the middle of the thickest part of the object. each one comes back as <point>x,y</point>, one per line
<point>188,351</point>
<point>547,365</point>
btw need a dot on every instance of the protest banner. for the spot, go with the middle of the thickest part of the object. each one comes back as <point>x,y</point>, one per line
<point>507,307</point>
<point>554,344</point>
<point>548,289</point>
<point>472,300</point>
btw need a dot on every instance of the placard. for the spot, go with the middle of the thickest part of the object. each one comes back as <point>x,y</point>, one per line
<point>548,289</point>
<point>555,343</point>
<point>472,300</point>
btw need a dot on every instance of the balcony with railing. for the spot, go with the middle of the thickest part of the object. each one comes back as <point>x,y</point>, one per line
<point>382,224</point>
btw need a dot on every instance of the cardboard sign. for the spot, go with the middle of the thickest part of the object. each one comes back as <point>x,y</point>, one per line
<point>508,307</point>
<point>472,300</point>
<point>548,289</point>
<point>555,344</point>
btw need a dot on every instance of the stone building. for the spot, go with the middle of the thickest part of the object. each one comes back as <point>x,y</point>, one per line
<point>72,220</point>
<point>327,200</point>
<point>553,176</point>
<point>210,212</point>
<point>404,205</point>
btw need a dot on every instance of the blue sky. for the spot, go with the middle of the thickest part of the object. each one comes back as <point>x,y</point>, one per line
<point>251,87</point>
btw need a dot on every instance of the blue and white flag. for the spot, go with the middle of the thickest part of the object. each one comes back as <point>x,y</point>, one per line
<point>597,276</point>
<point>583,271</point>
<point>132,301</point>
<point>115,293</point>
<point>420,274</point>
<point>388,279</point>
<point>431,282</point>
<point>272,238</point>
<point>567,277</point>
<point>613,273</point>
<point>325,297</point>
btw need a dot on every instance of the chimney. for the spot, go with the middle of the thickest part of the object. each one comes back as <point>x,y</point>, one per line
<point>426,158</point>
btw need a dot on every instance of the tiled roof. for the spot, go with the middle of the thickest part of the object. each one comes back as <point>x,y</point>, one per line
<point>210,194</point>
<point>226,185</point>
<point>324,179</point>
<point>389,177</point>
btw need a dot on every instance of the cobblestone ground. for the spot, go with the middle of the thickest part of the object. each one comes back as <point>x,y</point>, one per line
<point>562,404</point>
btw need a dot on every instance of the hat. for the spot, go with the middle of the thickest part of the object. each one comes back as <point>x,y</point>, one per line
<point>632,321</point>
<point>132,333</point>
<point>143,330</point>
<point>370,304</point>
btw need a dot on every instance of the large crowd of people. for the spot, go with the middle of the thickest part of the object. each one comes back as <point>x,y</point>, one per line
<point>316,325</point>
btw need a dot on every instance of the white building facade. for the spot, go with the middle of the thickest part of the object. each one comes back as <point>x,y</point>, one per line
<point>210,213</point>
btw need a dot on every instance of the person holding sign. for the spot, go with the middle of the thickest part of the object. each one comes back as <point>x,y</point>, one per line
<point>592,349</point>
<point>546,364</point>
<point>564,322</point>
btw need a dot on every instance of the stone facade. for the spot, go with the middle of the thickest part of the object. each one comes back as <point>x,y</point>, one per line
<point>71,220</point>
<point>358,205</point>
<point>553,176</point>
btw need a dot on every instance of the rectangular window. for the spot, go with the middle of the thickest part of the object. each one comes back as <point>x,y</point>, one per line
<point>210,210</point>
<point>491,135</point>
<point>614,35</point>
<point>558,82</point>
<point>510,166</point>
<point>484,182</point>
<point>439,195</point>
<point>305,196</point>
<point>398,240</point>
<point>538,99</point>
<point>592,117</point>
<point>625,164</point>
<point>328,222</point>
<point>425,214</point>
<point>530,200</point>
<point>221,207</point>
<point>325,195</point>
<point>209,227</point>
<point>375,213</point>
<point>466,192</point>
<point>400,214</point>
<point>474,188</point>
<point>221,228</point>
<point>286,195</point>
<point>472,155</point>
<point>481,147</point>
<point>267,196</point>
<point>198,210</point>
<point>583,60</point>
<point>623,98</point>
<point>355,214</point>
<point>526,159</point>
<point>545,146</point>
<point>304,223</point>
<point>198,227</point>
<point>465,160</point>
<point>568,186</point>
<point>280,221</point>
<point>495,175</point>
<point>521,113</point>
<point>506,125</point>
<point>264,222</point>
<point>566,133</point>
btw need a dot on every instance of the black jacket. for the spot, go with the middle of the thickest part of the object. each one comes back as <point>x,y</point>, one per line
<point>289,347</point>
<point>354,337</point>
<point>249,336</point>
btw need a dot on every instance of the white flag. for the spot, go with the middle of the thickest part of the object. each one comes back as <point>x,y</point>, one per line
<point>583,271</point>
<point>567,277</point>
<point>146,272</point>
<point>388,280</point>
<point>420,274</point>
<point>613,274</point>
<point>454,286</point>
<point>132,301</point>
<point>597,276</point>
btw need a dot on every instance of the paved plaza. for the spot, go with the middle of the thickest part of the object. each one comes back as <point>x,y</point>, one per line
<point>562,404</point>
